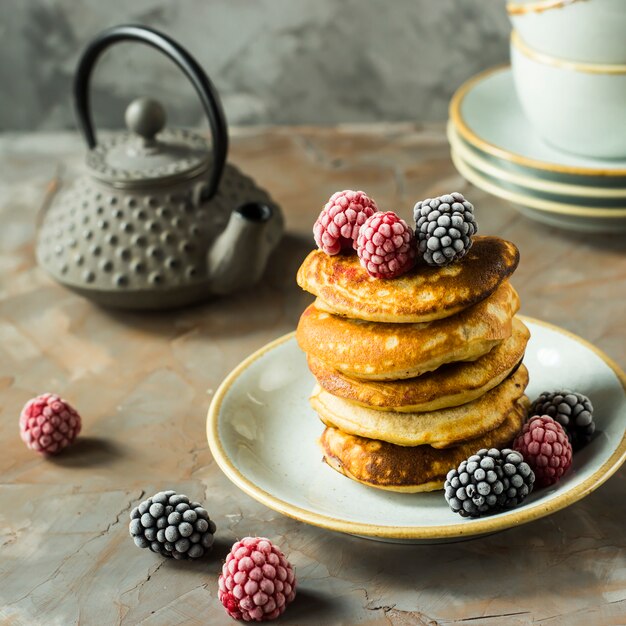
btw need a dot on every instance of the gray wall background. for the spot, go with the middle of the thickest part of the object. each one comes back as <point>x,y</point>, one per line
<point>273,61</point>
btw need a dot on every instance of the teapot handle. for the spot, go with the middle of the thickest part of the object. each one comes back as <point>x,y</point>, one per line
<point>206,90</point>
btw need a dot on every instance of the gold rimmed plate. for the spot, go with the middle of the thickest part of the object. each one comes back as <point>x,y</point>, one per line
<point>263,435</point>
<point>487,115</point>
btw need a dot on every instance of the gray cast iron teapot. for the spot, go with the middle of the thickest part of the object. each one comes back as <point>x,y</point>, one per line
<point>160,220</point>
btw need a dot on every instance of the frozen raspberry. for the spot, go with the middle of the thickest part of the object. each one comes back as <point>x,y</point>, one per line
<point>545,447</point>
<point>386,245</point>
<point>337,226</point>
<point>48,424</point>
<point>257,582</point>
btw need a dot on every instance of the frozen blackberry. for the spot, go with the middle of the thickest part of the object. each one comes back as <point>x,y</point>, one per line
<point>572,410</point>
<point>171,525</point>
<point>444,228</point>
<point>488,481</point>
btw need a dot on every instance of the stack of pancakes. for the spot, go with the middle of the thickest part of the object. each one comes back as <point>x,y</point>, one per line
<point>415,373</point>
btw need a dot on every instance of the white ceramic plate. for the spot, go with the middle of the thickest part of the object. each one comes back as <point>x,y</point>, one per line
<point>486,113</point>
<point>263,434</point>
<point>535,205</point>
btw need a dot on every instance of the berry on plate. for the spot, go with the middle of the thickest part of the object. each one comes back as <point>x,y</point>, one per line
<point>546,448</point>
<point>487,482</point>
<point>572,410</point>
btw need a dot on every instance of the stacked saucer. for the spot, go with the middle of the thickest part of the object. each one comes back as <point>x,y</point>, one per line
<point>496,148</point>
<point>549,134</point>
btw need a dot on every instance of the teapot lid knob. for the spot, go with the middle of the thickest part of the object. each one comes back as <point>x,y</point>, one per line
<point>149,151</point>
<point>145,117</point>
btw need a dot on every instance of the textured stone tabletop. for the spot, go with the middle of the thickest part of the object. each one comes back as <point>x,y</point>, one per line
<point>143,384</point>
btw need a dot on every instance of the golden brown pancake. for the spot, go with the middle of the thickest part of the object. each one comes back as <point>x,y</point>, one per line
<point>375,351</point>
<point>424,294</point>
<point>450,385</point>
<point>440,429</point>
<point>397,468</point>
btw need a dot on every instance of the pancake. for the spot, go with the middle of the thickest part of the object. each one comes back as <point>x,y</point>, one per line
<point>375,351</point>
<point>397,468</point>
<point>422,295</point>
<point>450,385</point>
<point>439,429</point>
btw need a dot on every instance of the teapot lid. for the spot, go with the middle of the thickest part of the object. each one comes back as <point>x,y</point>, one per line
<point>147,153</point>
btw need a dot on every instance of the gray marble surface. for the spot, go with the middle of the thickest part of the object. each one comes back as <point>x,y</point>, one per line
<point>274,61</point>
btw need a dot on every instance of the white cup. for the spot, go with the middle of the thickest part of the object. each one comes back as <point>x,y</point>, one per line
<point>591,31</point>
<point>577,107</point>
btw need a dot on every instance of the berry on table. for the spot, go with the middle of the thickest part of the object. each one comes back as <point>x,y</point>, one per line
<point>48,424</point>
<point>546,448</point>
<point>337,227</point>
<point>487,482</point>
<point>386,245</point>
<point>257,582</point>
<point>572,410</point>
<point>171,525</point>
<point>444,228</point>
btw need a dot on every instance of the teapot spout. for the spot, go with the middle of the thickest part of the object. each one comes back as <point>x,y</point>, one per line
<point>238,256</point>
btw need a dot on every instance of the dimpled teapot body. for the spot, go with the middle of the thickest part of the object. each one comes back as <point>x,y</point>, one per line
<point>154,222</point>
<point>144,250</point>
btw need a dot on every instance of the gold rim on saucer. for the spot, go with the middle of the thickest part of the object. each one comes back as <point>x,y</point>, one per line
<point>548,206</point>
<point>576,66</point>
<point>471,137</point>
<point>522,8</point>
<point>537,184</point>
<point>487,525</point>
